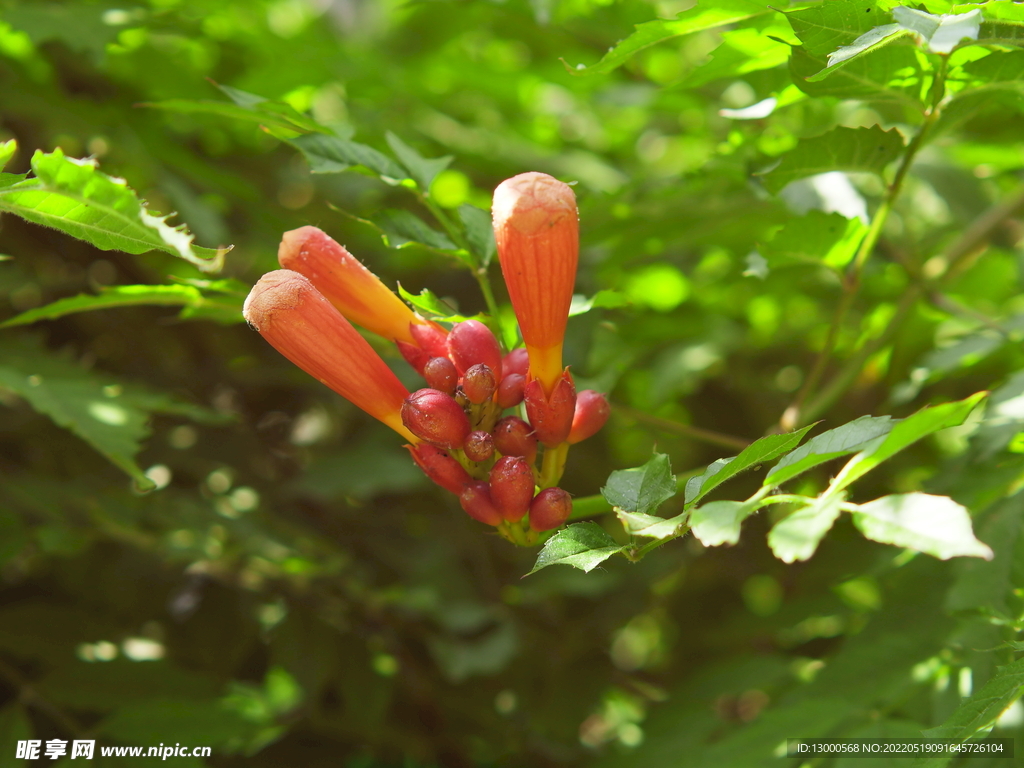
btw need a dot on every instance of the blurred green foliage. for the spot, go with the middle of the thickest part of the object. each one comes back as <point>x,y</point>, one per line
<point>201,544</point>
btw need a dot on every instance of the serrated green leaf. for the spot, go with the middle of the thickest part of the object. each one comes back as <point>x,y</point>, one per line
<point>583,545</point>
<point>400,228</point>
<point>984,707</point>
<point>825,27</point>
<point>269,107</point>
<point>76,198</point>
<point>998,66</point>
<point>797,536</point>
<point>641,489</point>
<point>904,434</point>
<point>706,15</point>
<point>829,445</point>
<point>873,38</point>
<point>119,296</point>
<point>935,525</point>
<point>422,170</point>
<point>815,238</point>
<point>7,150</point>
<point>940,34</point>
<point>841,149</point>
<point>719,522</point>
<point>886,73</point>
<point>1002,33</point>
<point>606,299</point>
<point>333,154</point>
<point>479,233</point>
<point>760,451</point>
<point>651,526</point>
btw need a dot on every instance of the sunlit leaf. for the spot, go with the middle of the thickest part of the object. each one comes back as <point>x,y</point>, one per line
<point>815,238</point>
<point>940,33</point>
<point>639,524</point>
<point>582,545</point>
<point>935,525</point>
<point>828,446</point>
<point>797,536</point>
<point>981,710</point>
<point>719,522</point>
<point>605,299</point>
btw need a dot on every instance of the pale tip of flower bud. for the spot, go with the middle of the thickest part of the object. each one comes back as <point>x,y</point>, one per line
<point>532,201</point>
<point>277,290</point>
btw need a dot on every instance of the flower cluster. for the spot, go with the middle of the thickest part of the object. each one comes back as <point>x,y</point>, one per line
<point>465,429</point>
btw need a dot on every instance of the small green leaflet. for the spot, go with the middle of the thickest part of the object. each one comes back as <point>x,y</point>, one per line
<point>904,434</point>
<point>639,524</point>
<point>708,14</point>
<point>719,522</point>
<point>606,299</point>
<point>74,197</point>
<point>582,545</point>
<point>797,537</point>
<point>815,238</point>
<point>641,489</point>
<point>941,34</point>
<point>981,710</point>
<point>422,170</point>
<point>333,154</point>
<point>935,525</point>
<point>762,450</point>
<point>7,150</point>
<point>841,149</point>
<point>827,446</point>
<point>429,303</point>
<point>479,233</point>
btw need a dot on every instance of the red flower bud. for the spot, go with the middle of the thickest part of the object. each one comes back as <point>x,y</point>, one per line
<point>303,326</point>
<point>478,384</point>
<point>479,446</point>
<point>510,392</point>
<point>476,500</point>
<point>514,437</point>
<point>550,509</point>
<point>536,226</point>
<point>472,342</point>
<point>440,467</point>
<point>429,340</point>
<point>551,415</point>
<point>440,374</point>
<point>591,414</point>
<point>516,361</point>
<point>512,487</point>
<point>435,417</point>
<point>353,289</point>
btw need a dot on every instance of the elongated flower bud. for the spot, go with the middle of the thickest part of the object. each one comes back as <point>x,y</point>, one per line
<point>516,361</point>
<point>479,384</point>
<point>551,415</point>
<point>536,226</point>
<point>435,417</point>
<point>440,467</point>
<point>550,509</point>
<point>512,487</point>
<point>440,374</point>
<point>514,437</point>
<point>429,340</point>
<point>479,446</point>
<point>476,501</point>
<point>510,393</point>
<point>591,414</point>
<point>470,343</point>
<point>303,326</point>
<point>353,289</point>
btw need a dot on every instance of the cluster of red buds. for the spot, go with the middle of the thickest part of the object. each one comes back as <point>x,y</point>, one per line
<point>492,428</point>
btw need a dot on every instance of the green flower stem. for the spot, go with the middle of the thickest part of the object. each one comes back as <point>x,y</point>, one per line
<point>553,465</point>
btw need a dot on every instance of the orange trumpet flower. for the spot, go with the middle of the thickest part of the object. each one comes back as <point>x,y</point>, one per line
<point>301,324</point>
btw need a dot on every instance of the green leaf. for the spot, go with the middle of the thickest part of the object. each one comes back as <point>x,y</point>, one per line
<point>829,445</point>
<point>707,14</point>
<point>886,73</point>
<point>479,233</point>
<point>639,524</point>
<point>400,228</point>
<point>269,107</point>
<point>119,296</point>
<point>1002,33</point>
<point>109,415</point>
<point>719,522</point>
<point>428,302</point>
<point>841,149</point>
<point>583,545</point>
<point>422,170</point>
<point>815,238</point>
<point>869,41</point>
<point>941,34</point>
<point>765,449</point>
<point>825,27</point>
<point>904,434</point>
<point>7,150</point>
<point>797,537</point>
<point>984,707</point>
<point>988,585</point>
<point>332,154</point>
<point>935,525</point>
<point>76,198</point>
<point>742,51</point>
<point>641,489</point>
<point>607,299</point>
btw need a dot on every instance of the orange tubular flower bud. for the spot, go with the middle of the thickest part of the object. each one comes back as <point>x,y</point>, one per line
<point>551,415</point>
<point>303,326</point>
<point>536,226</point>
<point>353,289</point>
